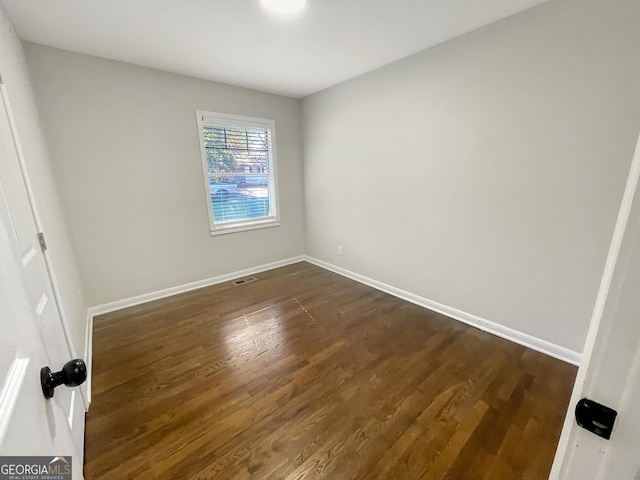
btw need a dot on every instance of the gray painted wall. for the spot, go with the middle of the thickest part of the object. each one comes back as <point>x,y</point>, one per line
<point>124,144</point>
<point>485,173</point>
<point>60,254</point>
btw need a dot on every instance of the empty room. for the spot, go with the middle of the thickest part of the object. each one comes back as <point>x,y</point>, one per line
<point>313,239</point>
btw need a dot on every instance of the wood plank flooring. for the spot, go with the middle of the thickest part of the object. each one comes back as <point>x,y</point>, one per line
<point>306,374</point>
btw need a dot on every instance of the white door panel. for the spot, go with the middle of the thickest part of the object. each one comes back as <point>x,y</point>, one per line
<point>29,425</point>
<point>610,372</point>
<point>29,317</point>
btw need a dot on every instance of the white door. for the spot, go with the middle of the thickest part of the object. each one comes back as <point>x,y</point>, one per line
<point>610,371</point>
<point>32,332</point>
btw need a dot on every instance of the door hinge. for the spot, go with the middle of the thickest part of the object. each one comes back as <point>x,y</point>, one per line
<point>43,242</point>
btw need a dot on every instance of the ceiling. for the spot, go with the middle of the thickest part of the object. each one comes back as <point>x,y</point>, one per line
<point>238,42</point>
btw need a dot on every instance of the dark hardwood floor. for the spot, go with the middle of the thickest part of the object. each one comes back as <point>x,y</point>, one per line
<point>306,374</point>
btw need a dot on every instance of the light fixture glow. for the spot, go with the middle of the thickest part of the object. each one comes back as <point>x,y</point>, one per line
<point>286,7</point>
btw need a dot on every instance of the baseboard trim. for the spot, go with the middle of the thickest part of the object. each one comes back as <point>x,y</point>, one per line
<point>516,336</point>
<point>187,287</point>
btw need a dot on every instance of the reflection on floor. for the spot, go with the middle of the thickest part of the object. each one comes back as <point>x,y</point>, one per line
<point>306,374</point>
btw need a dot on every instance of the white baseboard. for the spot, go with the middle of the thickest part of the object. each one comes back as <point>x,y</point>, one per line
<point>521,338</point>
<point>187,287</point>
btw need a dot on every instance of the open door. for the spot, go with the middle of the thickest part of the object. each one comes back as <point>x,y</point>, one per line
<point>610,370</point>
<point>32,331</point>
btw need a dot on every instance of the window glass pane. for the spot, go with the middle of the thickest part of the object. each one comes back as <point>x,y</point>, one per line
<point>239,166</point>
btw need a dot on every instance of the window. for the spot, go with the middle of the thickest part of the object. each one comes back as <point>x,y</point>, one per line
<point>239,165</point>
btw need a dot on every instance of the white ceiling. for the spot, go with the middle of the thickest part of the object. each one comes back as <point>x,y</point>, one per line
<point>238,42</point>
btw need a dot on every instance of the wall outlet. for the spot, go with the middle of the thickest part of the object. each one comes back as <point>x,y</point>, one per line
<point>340,250</point>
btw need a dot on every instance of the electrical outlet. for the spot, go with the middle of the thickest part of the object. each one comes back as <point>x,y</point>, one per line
<point>340,250</point>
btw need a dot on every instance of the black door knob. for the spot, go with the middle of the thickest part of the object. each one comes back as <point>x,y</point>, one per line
<point>73,373</point>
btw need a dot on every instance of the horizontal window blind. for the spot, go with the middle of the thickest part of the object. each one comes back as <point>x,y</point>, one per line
<point>233,150</point>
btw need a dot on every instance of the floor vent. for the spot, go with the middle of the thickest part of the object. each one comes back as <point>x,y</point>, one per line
<point>242,281</point>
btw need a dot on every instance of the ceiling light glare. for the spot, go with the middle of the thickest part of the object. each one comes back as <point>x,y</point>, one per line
<point>286,7</point>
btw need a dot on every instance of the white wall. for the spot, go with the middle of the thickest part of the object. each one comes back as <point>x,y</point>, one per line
<point>124,145</point>
<point>60,254</point>
<point>485,173</point>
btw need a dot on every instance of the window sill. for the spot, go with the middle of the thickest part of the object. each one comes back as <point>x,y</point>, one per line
<point>243,227</point>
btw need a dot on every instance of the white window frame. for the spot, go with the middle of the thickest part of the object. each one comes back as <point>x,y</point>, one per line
<point>227,120</point>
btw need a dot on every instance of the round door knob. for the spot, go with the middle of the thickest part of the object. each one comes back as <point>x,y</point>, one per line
<point>73,373</point>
